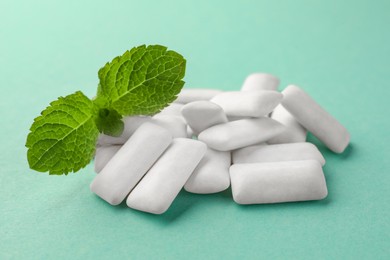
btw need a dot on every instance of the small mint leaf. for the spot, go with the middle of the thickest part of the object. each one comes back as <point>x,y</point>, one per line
<point>63,138</point>
<point>142,81</point>
<point>109,122</point>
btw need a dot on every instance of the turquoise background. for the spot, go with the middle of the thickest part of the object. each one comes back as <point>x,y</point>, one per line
<point>338,51</point>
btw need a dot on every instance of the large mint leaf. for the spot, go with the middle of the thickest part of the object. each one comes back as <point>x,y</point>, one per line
<point>63,138</point>
<point>142,81</point>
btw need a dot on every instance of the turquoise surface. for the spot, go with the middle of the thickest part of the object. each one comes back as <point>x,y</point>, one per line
<point>338,51</point>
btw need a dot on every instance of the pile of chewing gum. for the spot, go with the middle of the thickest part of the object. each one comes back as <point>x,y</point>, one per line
<point>253,140</point>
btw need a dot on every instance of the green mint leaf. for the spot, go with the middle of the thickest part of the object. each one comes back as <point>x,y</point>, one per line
<point>109,122</point>
<point>142,81</point>
<point>63,138</point>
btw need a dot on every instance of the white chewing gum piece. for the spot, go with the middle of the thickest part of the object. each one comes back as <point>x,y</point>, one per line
<point>188,95</point>
<point>248,103</point>
<point>131,123</point>
<point>163,182</point>
<point>212,173</point>
<point>315,119</point>
<point>260,81</point>
<point>103,155</point>
<point>238,134</point>
<point>130,163</point>
<point>278,153</point>
<point>175,124</point>
<point>295,132</point>
<point>201,115</point>
<point>258,183</point>
<point>173,109</point>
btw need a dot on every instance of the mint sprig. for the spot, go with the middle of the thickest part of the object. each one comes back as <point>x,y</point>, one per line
<point>142,81</point>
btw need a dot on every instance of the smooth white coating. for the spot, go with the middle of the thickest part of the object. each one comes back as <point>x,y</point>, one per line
<point>235,118</point>
<point>188,95</point>
<point>295,132</point>
<point>130,163</point>
<point>174,124</point>
<point>278,153</point>
<point>260,81</point>
<point>240,133</point>
<point>315,119</point>
<point>160,186</point>
<point>103,155</point>
<point>256,183</point>
<point>173,109</point>
<point>201,115</point>
<point>248,103</point>
<point>212,173</point>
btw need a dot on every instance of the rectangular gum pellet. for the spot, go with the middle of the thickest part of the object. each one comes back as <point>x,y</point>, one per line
<point>201,115</point>
<point>260,81</point>
<point>315,119</point>
<point>163,182</point>
<point>130,163</point>
<point>212,173</point>
<point>278,153</point>
<point>237,134</point>
<point>258,183</point>
<point>248,103</point>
